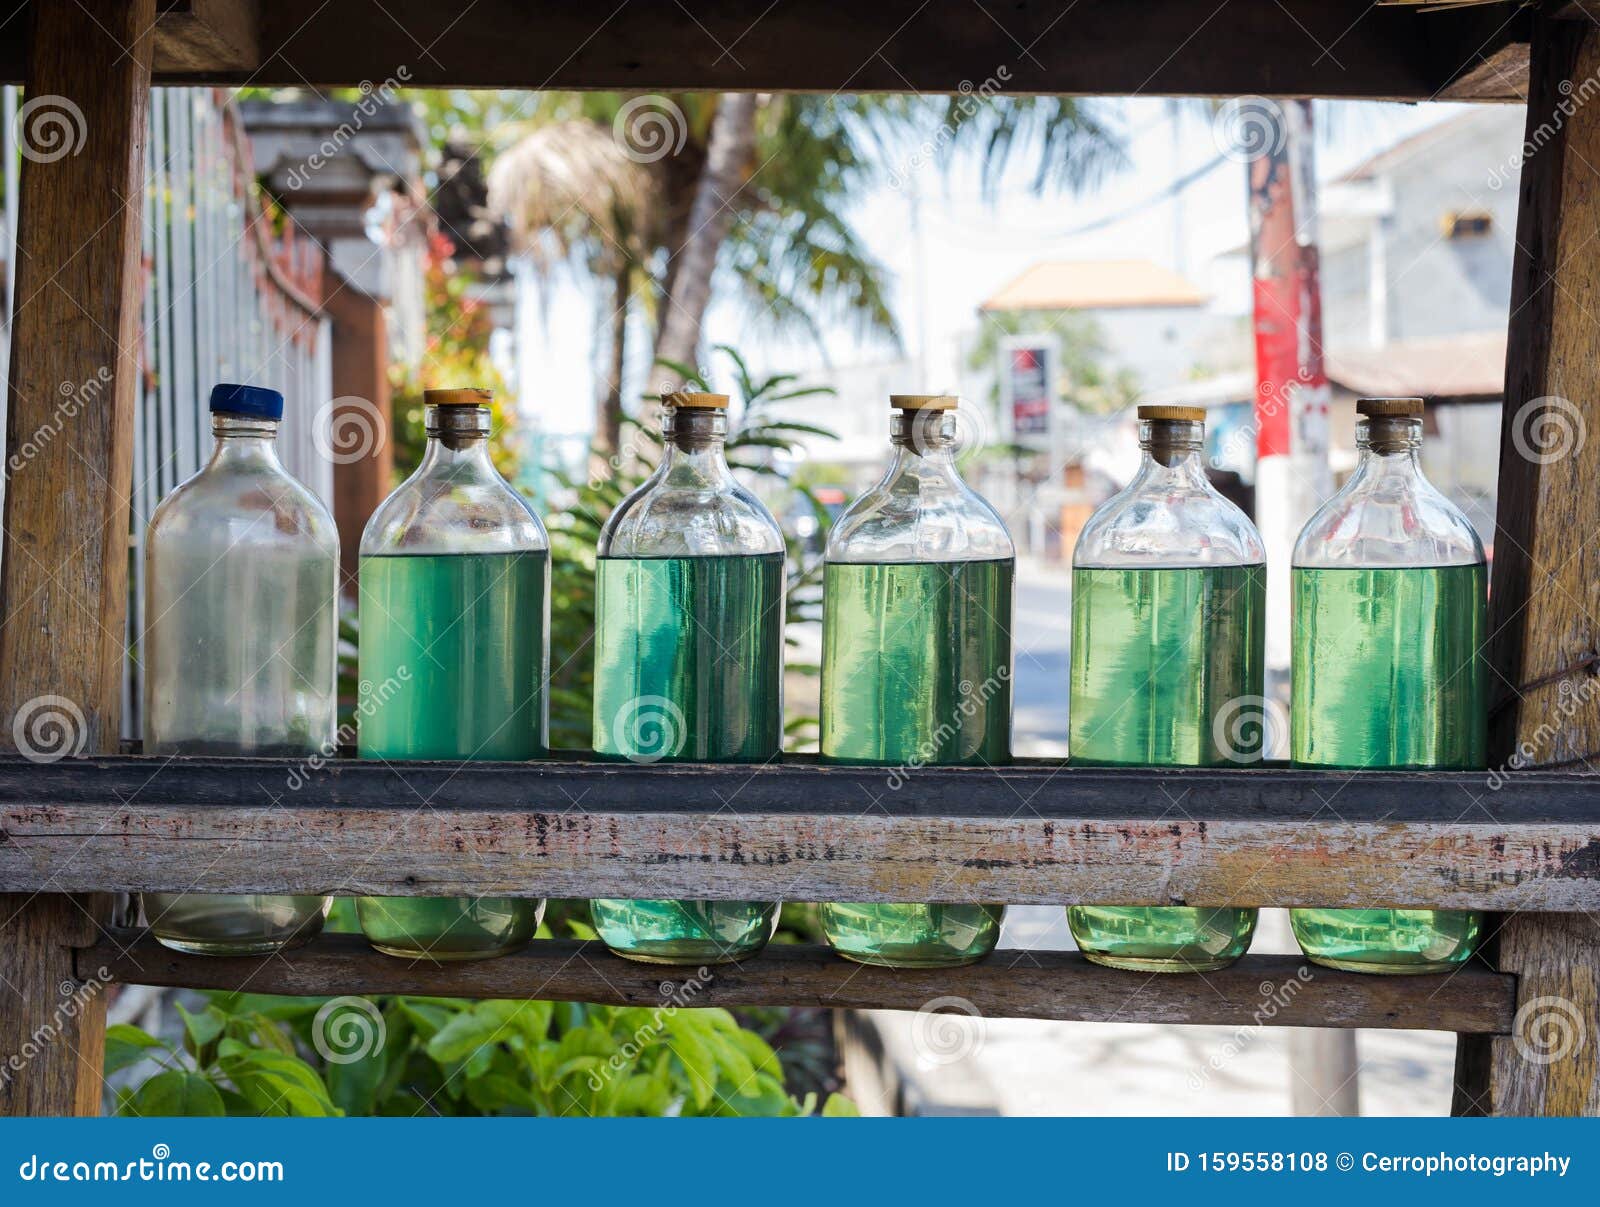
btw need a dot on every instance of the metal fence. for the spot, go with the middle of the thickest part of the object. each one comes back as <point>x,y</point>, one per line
<point>231,293</point>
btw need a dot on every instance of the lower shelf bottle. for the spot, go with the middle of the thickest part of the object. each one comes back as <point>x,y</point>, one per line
<point>1390,613</point>
<point>1168,597</point>
<point>689,619</point>
<point>916,662</point>
<point>454,583</point>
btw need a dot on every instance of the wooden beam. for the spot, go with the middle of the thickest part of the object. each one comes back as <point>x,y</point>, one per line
<point>69,440</point>
<point>1030,833</point>
<point>1258,990</point>
<point>197,36</point>
<point>74,374</point>
<point>1545,603</point>
<point>52,1024</point>
<point>1333,48</point>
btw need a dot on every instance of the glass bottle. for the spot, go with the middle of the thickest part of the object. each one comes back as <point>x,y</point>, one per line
<point>916,659</point>
<point>1390,612</point>
<point>454,653</point>
<point>689,657</point>
<point>1168,602</point>
<point>240,646</point>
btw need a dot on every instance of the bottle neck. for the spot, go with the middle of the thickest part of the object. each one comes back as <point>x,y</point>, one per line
<point>458,438</point>
<point>694,441</point>
<point>924,442</point>
<point>1390,450</point>
<point>244,441</point>
<point>1173,454</point>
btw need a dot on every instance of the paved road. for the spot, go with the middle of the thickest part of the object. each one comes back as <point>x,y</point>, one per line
<point>1041,639</point>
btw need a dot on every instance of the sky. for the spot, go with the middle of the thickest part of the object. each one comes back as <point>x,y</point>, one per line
<point>960,248</point>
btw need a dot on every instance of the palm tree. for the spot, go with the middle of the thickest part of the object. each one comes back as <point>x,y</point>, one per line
<point>568,190</point>
<point>759,189</point>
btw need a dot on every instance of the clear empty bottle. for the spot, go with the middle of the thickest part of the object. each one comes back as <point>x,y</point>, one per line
<point>1168,600</point>
<point>916,660</point>
<point>454,654</point>
<point>1390,613</point>
<point>688,662</point>
<point>240,645</point>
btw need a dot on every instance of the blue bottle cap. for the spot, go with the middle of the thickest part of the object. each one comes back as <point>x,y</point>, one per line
<point>257,402</point>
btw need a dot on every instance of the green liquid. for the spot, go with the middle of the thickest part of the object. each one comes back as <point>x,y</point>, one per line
<point>453,666</point>
<point>1167,672</point>
<point>688,668</point>
<point>1387,674</point>
<point>916,670</point>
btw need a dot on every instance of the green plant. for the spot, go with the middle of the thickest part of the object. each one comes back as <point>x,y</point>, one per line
<point>253,1055</point>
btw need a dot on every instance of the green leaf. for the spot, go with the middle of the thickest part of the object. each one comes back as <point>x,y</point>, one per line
<point>353,1087</point>
<point>464,1036</point>
<point>202,1030</point>
<point>176,1092</point>
<point>127,1046</point>
<point>840,1107</point>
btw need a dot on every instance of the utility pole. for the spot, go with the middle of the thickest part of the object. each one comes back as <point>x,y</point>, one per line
<point>1292,473</point>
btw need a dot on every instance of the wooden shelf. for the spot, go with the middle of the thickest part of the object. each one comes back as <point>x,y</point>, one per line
<point>1265,990</point>
<point>1031,833</point>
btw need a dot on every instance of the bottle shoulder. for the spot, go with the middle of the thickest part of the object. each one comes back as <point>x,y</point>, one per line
<point>243,508</point>
<point>663,518</point>
<point>1185,526</point>
<point>457,509</point>
<point>1400,522</point>
<point>920,517</point>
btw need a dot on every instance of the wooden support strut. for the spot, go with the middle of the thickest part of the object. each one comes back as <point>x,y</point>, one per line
<point>64,552</point>
<point>1545,602</point>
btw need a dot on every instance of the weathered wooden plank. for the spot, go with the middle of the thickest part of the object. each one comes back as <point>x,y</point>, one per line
<point>69,435</point>
<point>1257,991</point>
<point>1334,48</point>
<point>74,377</point>
<point>1550,1063</point>
<point>52,1024</point>
<point>1034,833</point>
<point>1546,706</point>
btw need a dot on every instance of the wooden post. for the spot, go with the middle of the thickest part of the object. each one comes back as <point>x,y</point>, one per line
<point>69,438</point>
<point>1545,648</point>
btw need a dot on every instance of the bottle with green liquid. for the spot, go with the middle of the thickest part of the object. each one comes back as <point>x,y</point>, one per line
<point>688,662</point>
<point>1168,596</point>
<point>1390,612</point>
<point>916,660</point>
<point>454,654</point>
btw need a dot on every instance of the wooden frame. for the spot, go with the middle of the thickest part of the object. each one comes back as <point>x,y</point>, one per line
<point>107,823</point>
